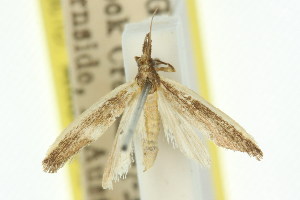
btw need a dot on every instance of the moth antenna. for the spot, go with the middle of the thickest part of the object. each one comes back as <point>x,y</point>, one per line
<point>148,46</point>
<point>152,21</point>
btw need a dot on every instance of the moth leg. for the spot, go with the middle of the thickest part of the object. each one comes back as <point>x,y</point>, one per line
<point>136,58</point>
<point>169,67</point>
<point>152,125</point>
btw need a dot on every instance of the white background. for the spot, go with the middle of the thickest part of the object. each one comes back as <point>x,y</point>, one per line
<point>252,51</point>
<point>253,54</point>
<point>28,111</point>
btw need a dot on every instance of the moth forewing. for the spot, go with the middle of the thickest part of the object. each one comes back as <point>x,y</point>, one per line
<point>223,130</point>
<point>180,133</point>
<point>89,126</point>
<point>119,161</point>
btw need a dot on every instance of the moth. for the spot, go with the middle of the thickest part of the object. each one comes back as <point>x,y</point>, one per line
<point>147,103</point>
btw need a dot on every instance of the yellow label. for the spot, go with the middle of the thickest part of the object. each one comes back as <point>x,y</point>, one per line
<point>52,16</point>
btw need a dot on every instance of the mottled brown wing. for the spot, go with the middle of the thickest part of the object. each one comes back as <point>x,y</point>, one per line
<point>89,126</point>
<point>223,130</point>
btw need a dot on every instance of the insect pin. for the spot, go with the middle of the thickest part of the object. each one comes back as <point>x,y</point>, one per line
<point>147,102</point>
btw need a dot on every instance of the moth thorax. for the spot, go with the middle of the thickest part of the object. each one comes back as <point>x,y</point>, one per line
<point>148,74</point>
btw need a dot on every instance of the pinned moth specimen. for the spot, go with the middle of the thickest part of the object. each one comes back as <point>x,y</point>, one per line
<point>147,102</point>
